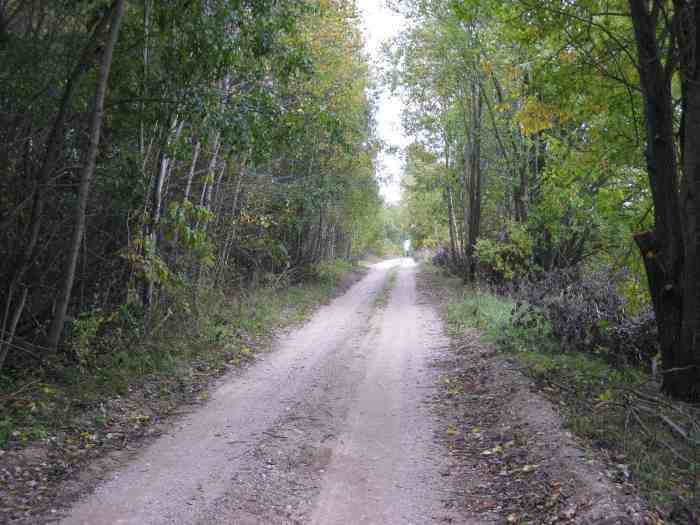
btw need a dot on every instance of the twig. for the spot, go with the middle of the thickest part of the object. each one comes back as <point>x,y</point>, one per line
<point>273,435</point>
<point>648,433</point>
<point>658,400</point>
<point>677,369</point>
<point>22,388</point>
<point>674,426</point>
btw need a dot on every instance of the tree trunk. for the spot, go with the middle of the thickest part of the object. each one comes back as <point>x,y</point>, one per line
<point>685,382</point>
<point>231,234</point>
<point>475,184</point>
<point>193,166</point>
<point>6,338</point>
<point>209,179</point>
<point>452,226</point>
<point>150,227</point>
<point>663,249</point>
<point>86,176</point>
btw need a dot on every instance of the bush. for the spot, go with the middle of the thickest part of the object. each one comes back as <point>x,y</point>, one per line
<point>442,257</point>
<point>506,260</point>
<point>586,312</point>
<point>331,271</point>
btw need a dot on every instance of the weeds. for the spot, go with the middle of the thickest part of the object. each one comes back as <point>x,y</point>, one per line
<point>382,297</point>
<point>116,359</point>
<point>648,438</point>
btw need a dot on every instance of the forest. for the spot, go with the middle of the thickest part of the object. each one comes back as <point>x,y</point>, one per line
<point>181,179</point>
<point>556,143</point>
<point>153,151</point>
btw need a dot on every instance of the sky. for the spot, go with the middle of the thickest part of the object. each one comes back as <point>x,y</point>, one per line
<point>379,24</point>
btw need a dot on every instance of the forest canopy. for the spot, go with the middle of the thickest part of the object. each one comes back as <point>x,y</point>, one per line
<point>555,136</point>
<point>153,151</point>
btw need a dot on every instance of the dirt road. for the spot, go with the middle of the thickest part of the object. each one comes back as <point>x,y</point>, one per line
<point>332,427</point>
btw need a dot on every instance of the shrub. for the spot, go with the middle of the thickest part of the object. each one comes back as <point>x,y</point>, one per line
<point>442,257</point>
<point>506,260</point>
<point>331,271</point>
<point>586,312</point>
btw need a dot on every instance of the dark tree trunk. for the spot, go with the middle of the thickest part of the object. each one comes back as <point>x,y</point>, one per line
<point>451,223</point>
<point>86,176</point>
<point>474,184</point>
<point>672,277</point>
<point>685,382</point>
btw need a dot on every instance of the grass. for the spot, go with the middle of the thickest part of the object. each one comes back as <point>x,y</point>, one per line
<point>159,371</point>
<point>382,297</point>
<point>596,399</point>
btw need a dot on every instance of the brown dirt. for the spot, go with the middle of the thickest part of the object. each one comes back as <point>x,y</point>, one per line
<point>329,428</point>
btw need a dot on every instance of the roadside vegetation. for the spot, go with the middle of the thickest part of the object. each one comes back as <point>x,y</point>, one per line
<point>647,439</point>
<point>384,293</point>
<point>553,144</point>
<point>552,173</point>
<point>176,178</point>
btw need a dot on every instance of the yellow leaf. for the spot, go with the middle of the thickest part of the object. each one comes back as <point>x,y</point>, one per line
<point>535,116</point>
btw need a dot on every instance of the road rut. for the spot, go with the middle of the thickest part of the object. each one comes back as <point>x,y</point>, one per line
<point>332,427</point>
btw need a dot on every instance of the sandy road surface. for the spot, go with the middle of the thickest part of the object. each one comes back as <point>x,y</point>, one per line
<point>333,427</point>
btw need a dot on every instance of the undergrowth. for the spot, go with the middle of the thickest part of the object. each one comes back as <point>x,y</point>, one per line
<point>112,358</point>
<point>617,410</point>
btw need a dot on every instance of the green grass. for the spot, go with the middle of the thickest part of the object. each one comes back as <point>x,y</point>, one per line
<point>382,297</point>
<point>171,365</point>
<point>479,310</point>
<point>594,396</point>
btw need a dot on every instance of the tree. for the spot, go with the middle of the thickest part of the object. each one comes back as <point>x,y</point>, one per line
<point>87,172</point>
<point>667,41</point>
<point>645,52</point>
<point>235,142</point>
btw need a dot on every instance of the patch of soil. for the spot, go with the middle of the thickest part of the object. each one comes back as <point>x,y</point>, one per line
<point>40,478</point>
<point>513,457</point>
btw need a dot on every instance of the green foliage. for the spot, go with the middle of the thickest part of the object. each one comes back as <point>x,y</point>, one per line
<point>560,132</point>
<point>117,358</point>
<point>508,259</point>
<point>144,258</point>
<point>186,223</point>
<point>83,335</point>
<point>598,401</point>
<point>237,145</point>
<point>330,272</point>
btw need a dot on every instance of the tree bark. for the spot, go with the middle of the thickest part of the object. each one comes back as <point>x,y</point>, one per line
<point>151,226</point>
<point>6,338</point>
<point>664,249</point>
<point>685,382</point>
<point>451,224</point>
<point>474,183</point>
<point>86,176</point>
<point>193,166</point>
